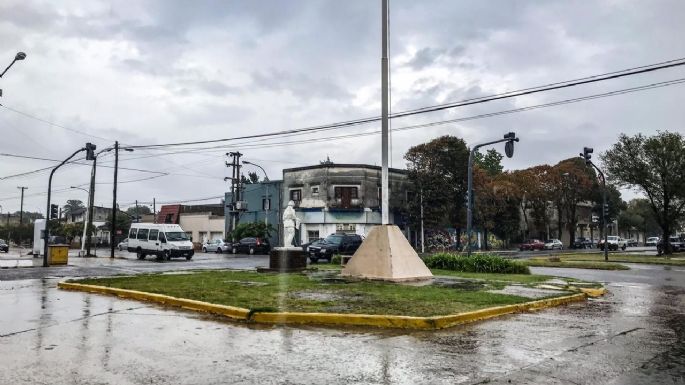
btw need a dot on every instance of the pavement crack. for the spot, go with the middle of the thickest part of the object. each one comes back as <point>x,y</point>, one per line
<point>603,339</point>
<point>72,320</point>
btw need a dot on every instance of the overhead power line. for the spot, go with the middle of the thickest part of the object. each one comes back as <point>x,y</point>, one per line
<point>467,102</point>
<point>27,115</point>
<point>258,144</point>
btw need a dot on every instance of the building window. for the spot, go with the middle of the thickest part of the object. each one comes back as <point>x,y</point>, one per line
<point>169,218</point>
<point>347,227</point>
<point>266,204</point>
<point>296,195</point>
<point>312,235</point>
<point>350,192</point>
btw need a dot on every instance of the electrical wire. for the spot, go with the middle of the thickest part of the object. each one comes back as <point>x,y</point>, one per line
<point>259,144</point>
<point>467,102</point>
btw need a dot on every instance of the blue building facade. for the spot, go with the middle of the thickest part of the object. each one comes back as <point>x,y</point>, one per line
<point>263,202</point>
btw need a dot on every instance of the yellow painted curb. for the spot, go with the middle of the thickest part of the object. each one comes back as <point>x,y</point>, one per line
<point>227,311</point>
<point>593,292</point>
<point>383,321</point>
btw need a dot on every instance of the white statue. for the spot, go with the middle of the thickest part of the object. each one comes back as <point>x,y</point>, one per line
<point>290,223</point>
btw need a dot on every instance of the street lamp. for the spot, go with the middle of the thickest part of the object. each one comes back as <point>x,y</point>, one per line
<point>509,138</point>
<point>267,202</point>
<point>18,56</point>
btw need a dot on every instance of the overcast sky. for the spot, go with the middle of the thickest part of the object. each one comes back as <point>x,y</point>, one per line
<point>164,71</point>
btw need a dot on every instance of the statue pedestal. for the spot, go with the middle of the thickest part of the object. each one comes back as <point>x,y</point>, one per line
<point>287,259</point>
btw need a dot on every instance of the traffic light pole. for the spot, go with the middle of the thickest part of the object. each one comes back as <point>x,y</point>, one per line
<point>604,209</point>
<point>509,138</point>
<point>586,154</point>
<point>47,210</point>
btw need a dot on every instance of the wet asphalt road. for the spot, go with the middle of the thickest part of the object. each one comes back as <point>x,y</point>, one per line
<point>634,335</point>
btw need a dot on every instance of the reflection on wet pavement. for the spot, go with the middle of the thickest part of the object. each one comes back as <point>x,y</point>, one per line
<point>634,335</point>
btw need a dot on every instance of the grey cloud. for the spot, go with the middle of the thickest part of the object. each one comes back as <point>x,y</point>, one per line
<point>300,85</point>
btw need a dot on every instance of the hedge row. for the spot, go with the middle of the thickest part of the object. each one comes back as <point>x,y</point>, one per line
<point>476,263</point>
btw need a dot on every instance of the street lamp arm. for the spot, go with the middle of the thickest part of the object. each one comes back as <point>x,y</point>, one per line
<point>18,56</point>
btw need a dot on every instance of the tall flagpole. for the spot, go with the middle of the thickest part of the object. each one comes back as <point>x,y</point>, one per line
<point>385,191</point>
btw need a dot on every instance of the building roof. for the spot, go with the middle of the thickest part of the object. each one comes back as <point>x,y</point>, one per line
<point>343,165</point>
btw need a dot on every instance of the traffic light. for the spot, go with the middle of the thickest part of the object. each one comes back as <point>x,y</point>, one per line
<point>509,145</point>
<point>54,209</point>
<point>90,151</point>
<point>606,209</point>
<point>586,154</point>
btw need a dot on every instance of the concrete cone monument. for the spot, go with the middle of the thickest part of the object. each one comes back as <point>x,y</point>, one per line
<point>386,255</point>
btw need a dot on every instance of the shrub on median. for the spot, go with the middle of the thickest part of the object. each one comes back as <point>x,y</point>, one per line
<point>476,263</point>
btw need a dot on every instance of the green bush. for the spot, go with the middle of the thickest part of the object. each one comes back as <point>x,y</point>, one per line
<point>336,259</point>
<point>476,263</point>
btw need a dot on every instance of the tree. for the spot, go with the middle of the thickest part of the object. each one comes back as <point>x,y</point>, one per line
<point>496,205</point>
<point>538,190</point>
<point>123,223</point>
<point>252,177</point>
<point>573,183</point>
<point>71,206</point>
<point>252,229</point>
<point>438,172</point>
<point>639,215</point>
<point>614,201</point>
<point>142,210</point>
<point>491,162</point>
<point>656,166</point>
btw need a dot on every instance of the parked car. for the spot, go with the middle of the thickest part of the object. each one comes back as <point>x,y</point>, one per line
<point>216,246</point>
<point>677,244</point>
<point>4,246</point>
<point>614,243</point>
<point>652,241</point>
<point>552,244</point>
<point>335,244</point>
<point>314,242</point>
<point>163,240</point>
<point>123,244</point>
<point>632,242</point>
<point>583,243</point>
<point>532,244</point>
<point>251,245</point>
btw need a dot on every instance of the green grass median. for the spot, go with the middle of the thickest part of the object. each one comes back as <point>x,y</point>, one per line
<point>674,260</point>
<point>563,263</point>
<point>324,291</point>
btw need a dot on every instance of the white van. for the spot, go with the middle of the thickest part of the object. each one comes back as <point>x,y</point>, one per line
<point>165,241</point>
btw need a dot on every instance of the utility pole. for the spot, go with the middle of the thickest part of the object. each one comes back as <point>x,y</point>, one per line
<point>21,207</point>
<point>235,188</point>
<point>154,210</point>
<point>385,191</point>
<point>91,200</point>
<point>137,219</point>
<point>113,229</point>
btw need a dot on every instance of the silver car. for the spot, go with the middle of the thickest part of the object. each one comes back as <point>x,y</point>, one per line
<point>123,245</point>
<point>216,246</point>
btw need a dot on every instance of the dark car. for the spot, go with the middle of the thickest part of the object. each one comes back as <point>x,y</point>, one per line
<point>532,244</point>
<point>583,243</point>
<point>314,242</point>
<point>334,244</point>
<point>252,245</point>
<point>4,246</point>
<point>677,244</point>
